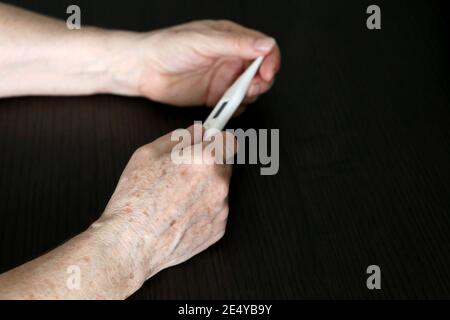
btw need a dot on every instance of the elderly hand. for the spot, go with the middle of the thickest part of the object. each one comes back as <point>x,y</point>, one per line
<point>194,63</point>
<point>173,211</point>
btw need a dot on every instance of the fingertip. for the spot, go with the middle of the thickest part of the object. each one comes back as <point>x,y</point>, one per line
<point>259,86</point>
<point>267,70</point>
<point>271,65</point>
<point>264,45</point>
<point>254,89</point>
<point>250,100</point>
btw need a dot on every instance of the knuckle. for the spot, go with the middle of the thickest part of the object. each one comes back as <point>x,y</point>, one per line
<point>239,42</point>
<point>143,151</point>
<point>208,22</point>
<point>224,22</point>
<point>227,24</point>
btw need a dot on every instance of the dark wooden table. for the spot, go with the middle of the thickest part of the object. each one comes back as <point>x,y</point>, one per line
<point>364,119</point>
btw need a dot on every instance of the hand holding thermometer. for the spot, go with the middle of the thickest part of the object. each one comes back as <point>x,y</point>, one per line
<point>232,98</point>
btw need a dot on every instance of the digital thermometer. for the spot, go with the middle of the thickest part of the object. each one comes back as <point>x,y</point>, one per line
<point>232,98</point>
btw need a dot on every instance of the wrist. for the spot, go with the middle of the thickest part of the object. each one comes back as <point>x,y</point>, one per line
<point>105,61</point>
<point>124,61</point>
<point>123,251</point>
<point>133,67</point>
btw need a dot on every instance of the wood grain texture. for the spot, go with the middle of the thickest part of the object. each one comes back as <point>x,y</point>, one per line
<point>364,178</point>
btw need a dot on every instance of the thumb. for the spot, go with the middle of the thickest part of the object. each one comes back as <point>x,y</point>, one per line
<point>241,45</point>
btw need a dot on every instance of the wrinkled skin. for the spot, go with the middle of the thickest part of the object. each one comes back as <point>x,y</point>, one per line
<point>161,213</point>
<point>214,54</point>
<point>178,210</point>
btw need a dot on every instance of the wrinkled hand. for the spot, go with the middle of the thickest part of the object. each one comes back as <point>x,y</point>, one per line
<point>175,210</point>
<point>195,63</point>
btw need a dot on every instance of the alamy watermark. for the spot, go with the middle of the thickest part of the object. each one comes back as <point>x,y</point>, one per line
<point>374,280</point>
<point>373,22</point>
<point>73,22</point>
<point>252,147</point>
<point>73,281</point>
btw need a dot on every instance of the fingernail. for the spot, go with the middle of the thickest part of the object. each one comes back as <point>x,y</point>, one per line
<point>264,44</point>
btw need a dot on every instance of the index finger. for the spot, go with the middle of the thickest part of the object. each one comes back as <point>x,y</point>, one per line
<point>272,61</point>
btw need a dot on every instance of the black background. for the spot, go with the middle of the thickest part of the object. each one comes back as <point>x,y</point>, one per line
<point>364,119</point>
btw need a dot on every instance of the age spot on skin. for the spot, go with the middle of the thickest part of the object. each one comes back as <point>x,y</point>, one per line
<point>127,210</point>
<point>184,172</point>
<point>172,223</point>
<point>87,259</point>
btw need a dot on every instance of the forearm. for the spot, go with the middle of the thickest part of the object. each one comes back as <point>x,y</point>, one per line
<point>109,260</point>
<point>41,56</point>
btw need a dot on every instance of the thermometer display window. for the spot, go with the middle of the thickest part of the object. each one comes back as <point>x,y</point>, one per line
<point>220,109</point>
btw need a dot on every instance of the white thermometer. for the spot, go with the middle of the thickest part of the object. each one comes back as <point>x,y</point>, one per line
<point>232,98</point>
